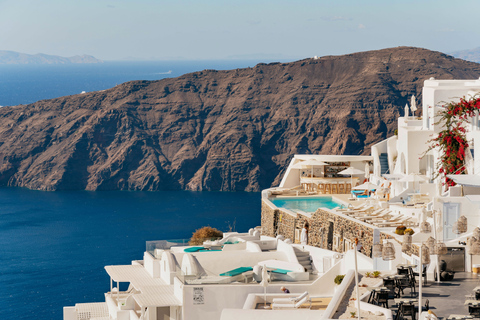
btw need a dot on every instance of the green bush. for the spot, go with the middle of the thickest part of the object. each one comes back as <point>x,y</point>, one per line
<point>338,279</point>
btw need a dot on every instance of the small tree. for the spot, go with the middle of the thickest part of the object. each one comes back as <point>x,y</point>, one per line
<point>205,233</point>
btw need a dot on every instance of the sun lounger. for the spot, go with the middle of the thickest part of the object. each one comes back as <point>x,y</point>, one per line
<point>236,272</point>
<point>375,213</point>
<point>393,224</point>
<point>290,305</point>
<point>362,206</point>
<point>291,300</point>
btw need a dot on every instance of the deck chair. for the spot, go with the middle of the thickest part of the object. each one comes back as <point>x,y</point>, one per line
<point>291,305</point>
<point>362,206</point>
<point>291,300</point>
<point>373,214</point>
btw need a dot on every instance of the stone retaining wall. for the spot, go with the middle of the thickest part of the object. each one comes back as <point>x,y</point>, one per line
<point>277,221</point>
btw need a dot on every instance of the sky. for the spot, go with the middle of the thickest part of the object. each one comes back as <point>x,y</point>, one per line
<point>225,29</point>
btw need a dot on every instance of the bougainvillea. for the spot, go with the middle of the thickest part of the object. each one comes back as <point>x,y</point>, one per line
<point>452,140</point>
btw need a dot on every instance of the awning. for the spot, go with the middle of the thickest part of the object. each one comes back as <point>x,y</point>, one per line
<point>474,198</point>
<point>471,180</point>
<point>153,291</point>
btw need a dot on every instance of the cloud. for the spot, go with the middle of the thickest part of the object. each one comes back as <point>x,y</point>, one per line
<point>336,18</point>
<point>361,26</point>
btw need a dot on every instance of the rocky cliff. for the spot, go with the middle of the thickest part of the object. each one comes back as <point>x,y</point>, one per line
<point>216,130</point>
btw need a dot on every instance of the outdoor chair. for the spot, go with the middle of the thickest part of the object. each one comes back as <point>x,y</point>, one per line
<point>402,284</point>
<point>424,275</point>
<point>477,295</point>
<point>390,284</point>
<point>381,298</point>
<point>408,310</point>
<point>474,311</point>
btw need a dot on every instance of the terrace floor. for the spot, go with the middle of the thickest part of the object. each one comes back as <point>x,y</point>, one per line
<point>447,297</point>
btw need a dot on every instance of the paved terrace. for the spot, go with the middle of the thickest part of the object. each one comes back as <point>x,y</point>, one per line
<point>446,297</point>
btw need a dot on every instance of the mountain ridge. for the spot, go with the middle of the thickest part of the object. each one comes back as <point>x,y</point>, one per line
<point>12,57</point>
<point>231,130</point>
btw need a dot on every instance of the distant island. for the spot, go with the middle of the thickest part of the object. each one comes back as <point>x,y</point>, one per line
<point>469,55</point>
<point>12,57</point>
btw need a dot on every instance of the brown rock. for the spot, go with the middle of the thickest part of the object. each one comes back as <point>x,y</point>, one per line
<point>216,130</point>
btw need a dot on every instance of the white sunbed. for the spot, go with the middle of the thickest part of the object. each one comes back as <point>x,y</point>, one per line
<point>291,305</point>
<point>291,300</point>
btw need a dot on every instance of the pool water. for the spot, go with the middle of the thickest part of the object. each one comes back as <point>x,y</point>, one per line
<point>306,204</point>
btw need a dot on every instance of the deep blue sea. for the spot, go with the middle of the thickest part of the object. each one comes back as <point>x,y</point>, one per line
<point>54,245</point>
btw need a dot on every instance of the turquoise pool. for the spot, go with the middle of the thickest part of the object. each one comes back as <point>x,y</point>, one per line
<point>306,204</point>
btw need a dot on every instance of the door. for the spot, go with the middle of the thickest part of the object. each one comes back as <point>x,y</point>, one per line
<point>450,216</point>
<point>330,236</point>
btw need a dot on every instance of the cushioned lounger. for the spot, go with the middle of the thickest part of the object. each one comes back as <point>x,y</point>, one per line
<point>236,272</point>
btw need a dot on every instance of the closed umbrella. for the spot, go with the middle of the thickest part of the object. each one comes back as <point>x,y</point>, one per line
<point>367,170</point>
<point>264,284</point>
<point>351,171</point>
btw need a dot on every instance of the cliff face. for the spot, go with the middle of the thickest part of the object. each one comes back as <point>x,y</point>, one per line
<point>216,130</point>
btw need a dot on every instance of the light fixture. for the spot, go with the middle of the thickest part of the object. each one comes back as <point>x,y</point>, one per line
<point>476,233</point>
<point>425,227</point>
<point>407,242</point>
<point>377,250</point>
<point>425,255</point>
<point>430,244</point>
<point>388,252</point>
<point>440,248</point>
<point>460,226</point>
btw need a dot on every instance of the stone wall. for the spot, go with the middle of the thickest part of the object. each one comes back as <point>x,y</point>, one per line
<point>277,221</point>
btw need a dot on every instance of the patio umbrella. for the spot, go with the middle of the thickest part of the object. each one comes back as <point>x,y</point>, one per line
<point>367,186</point>
<point>309,163</point>
<point>351,171</point>
<point>413,177</point>
<point>264,284</point>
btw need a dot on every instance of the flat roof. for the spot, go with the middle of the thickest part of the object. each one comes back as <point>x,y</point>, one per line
<point>154,292</point>
<point>333,158</point>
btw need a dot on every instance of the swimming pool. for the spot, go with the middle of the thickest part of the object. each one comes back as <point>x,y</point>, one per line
<point>306,204</point>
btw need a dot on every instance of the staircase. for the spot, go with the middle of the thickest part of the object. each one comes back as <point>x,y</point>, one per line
<point>303,258</point>
<point>383,163</point>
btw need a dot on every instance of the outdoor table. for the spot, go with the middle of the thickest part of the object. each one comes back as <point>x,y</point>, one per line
<point>459,317</point>
<point>395,276</point>
<point>476,288</point>
<point>405,300</point>
<point>406,265</point>
<point>472,302</point>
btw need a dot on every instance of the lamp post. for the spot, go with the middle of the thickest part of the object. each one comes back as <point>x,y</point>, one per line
<point>356,279</point>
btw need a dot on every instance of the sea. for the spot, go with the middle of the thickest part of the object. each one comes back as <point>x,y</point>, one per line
<point>54,245</point>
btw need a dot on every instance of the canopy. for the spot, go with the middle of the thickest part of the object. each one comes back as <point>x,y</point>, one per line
<point>351,170</point>
<point>308,163</point>
<point>470,180</point>
<point>413,177</point>
<point>367,186</point>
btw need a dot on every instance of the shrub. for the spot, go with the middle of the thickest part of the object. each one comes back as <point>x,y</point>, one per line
<point>338,279</point>
<point>353,314</point>
<point>368,274</point>
<point>409,231</point>
<point>400,230</point>
<point>376,274</point>
<point>205,233</point>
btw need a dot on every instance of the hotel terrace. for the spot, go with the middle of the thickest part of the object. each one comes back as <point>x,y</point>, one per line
<point>355,207</point>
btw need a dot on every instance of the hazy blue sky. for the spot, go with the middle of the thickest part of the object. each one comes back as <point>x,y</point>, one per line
<point>219,29</point>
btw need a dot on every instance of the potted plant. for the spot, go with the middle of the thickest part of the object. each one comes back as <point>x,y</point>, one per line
<point>338,279</point>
